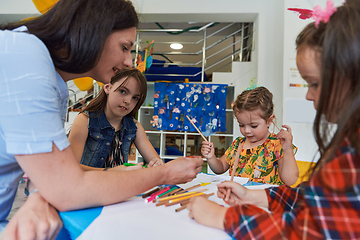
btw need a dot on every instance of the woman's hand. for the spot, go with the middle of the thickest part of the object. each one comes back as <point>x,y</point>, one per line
<point>155,162</point>
<point>206,212</point>
<point>36,219</point>
<point>238,192</point>
<point>181,170</point>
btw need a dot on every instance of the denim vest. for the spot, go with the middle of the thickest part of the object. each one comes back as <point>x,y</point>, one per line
<point>100,136</point>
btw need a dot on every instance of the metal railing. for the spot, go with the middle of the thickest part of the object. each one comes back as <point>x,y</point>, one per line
<point>237,50</point>
<point>224,51</point>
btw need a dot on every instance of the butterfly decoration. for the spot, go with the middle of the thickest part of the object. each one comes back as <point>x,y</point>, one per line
<point>318,14</point>
<point>303,13</point>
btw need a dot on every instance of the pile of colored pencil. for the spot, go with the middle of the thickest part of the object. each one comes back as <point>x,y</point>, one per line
<point>170,196</point>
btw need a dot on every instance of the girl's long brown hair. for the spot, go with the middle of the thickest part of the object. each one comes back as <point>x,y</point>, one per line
<point>338,43</point>
<point>98,104</point>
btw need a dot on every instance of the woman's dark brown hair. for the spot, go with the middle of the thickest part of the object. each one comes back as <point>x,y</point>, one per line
<point>74,31</point>
<point>98,104</point>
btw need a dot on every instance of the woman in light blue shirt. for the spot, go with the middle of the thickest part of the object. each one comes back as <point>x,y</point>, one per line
<point>76,38</point>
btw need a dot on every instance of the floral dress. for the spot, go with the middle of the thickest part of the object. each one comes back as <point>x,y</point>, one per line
<point>263,158</point>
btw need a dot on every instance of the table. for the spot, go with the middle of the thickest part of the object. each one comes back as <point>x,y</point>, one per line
<point>135,219</point>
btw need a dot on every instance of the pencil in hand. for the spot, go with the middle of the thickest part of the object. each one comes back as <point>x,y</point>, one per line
<point>202,135</point>
<point>233,171</point>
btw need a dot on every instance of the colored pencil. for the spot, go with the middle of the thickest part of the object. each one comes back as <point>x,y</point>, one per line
<point>170,192</point>
<point>237,157</point>
<point>176,196</point>
<point>162,194</point>
<point>181,195</point>
<point>129,164</point>
<point>183,205</point>
<point>174,192</point>
<point>197,129</point>
<point>181,208</point>
<point>145,195</point>
<point>190,188</point>
<point>180,200</point>
<point>153,196</point>
<point>166,201</point>
<point>133,164</point>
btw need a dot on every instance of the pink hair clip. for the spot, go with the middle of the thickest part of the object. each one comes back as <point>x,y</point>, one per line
<point>325,14</point>
<point>317,14</point>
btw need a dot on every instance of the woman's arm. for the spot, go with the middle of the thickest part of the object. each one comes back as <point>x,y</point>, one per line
<point>145,148</point>
<point>78,135</point>
<point>61,181</point>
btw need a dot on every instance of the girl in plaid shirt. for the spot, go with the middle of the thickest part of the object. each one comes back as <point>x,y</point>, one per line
<point>328,205</point>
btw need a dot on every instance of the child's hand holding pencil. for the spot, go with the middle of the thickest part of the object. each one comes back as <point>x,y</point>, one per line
<point>238,193</point>
<point>207,150</point>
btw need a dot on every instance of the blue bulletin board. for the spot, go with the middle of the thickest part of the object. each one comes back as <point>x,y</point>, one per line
<point>204,103</point>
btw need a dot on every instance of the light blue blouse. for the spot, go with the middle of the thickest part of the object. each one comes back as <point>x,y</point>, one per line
<point>33,103</point>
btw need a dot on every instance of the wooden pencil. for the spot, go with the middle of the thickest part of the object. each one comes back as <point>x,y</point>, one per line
<point>145,195</point>
<point>190,188</point>
<point>186,199</point>
<point>183,205</point>
<point>176,196</point>
<point>196,128</point>
<point>164,201</point>
<point>237,157</point>
<point>163,194</point>
<point>174,192</point>
<point>182,200</point>
<point>170,192</point>
<point>181,208</point>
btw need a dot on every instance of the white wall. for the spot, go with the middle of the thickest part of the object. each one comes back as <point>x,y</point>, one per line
<point>17,7</point>
<point>302,129</point>
<point>267,16</point>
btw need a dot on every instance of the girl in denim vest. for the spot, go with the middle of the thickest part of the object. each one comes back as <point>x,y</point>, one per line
<point>102,133</point>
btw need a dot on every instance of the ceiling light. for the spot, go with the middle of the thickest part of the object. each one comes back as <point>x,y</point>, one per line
<point>176,46</point>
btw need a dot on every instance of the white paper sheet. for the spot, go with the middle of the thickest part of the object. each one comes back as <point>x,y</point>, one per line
<point>135,219</point>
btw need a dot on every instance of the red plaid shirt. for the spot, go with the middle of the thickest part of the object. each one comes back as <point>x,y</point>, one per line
<point>325,207</point>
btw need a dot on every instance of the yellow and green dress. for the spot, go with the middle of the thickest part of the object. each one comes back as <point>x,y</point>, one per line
<point>263,157</point>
